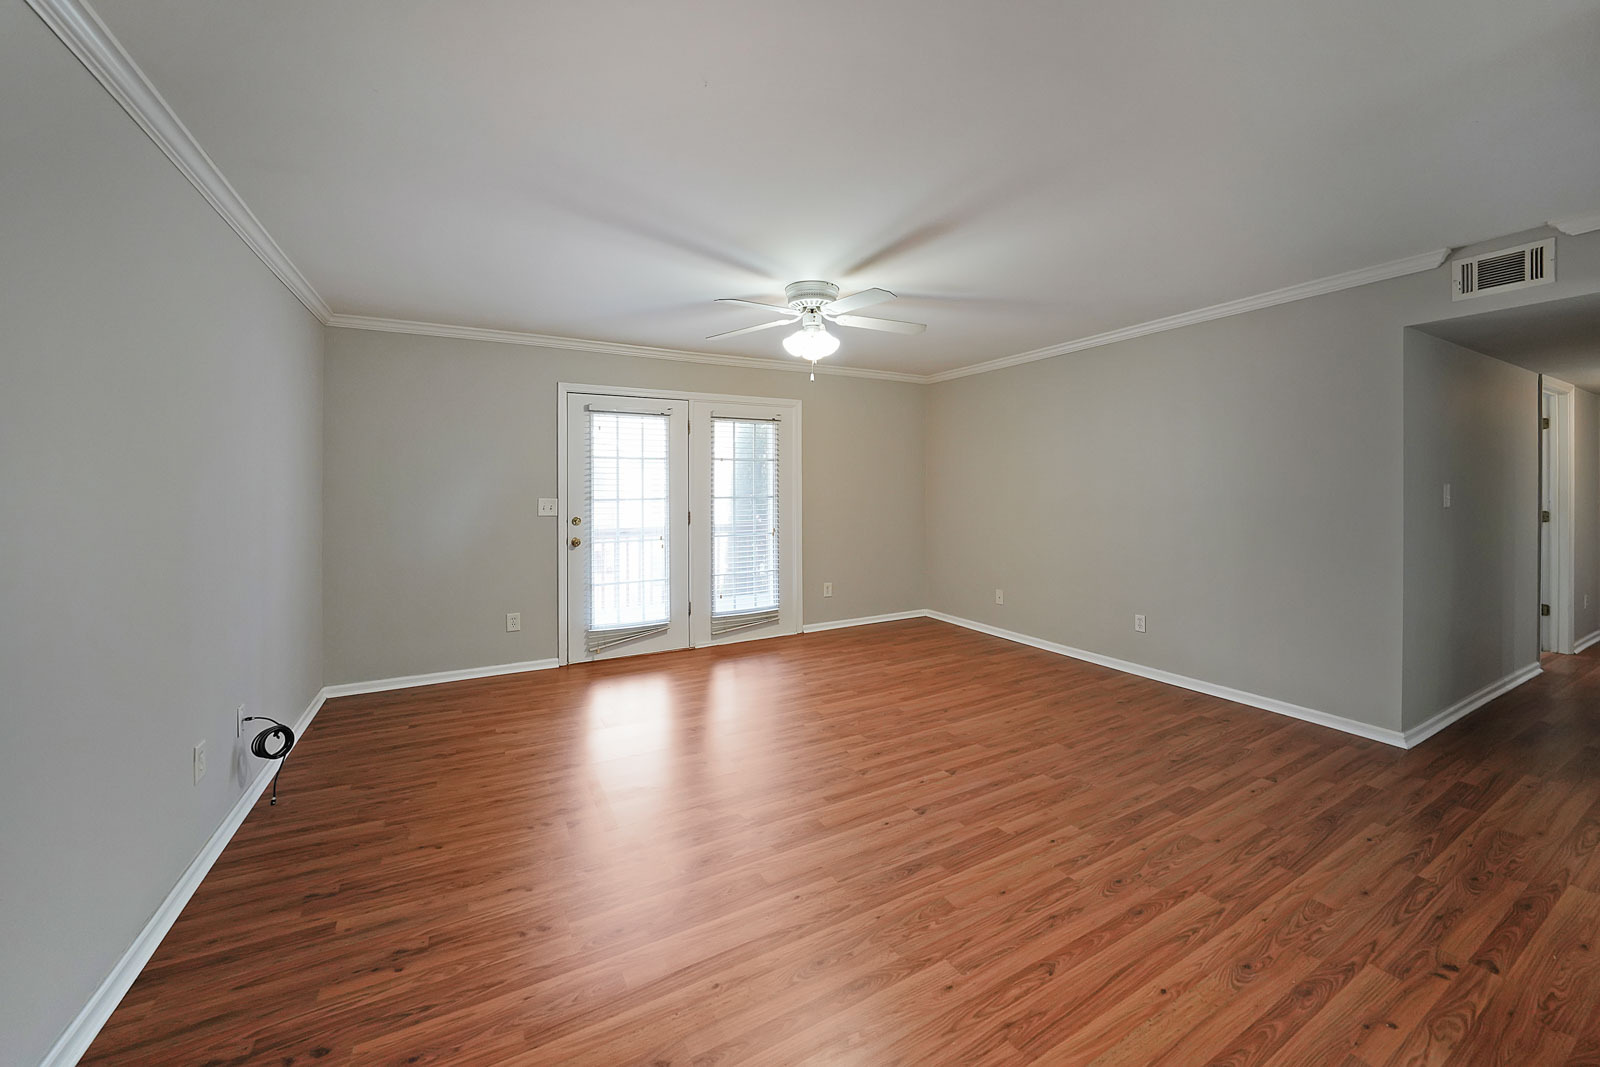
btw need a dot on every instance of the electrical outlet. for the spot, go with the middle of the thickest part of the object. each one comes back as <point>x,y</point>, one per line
<point>549,505</point>
<point>1138,624</point>
<point>1446,494</point>
<point>199,762</point>
<point>238,721</point>
<point>999,596</point>
<point>827,588</point>
<point>513,621</point>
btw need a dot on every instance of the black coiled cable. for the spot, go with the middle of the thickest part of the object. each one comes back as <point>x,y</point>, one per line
<point>279,735</point>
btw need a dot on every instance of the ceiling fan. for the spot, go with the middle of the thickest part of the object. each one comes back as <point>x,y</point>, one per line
<point>814,304</point>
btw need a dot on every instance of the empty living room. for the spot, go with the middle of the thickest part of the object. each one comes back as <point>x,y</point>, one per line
<point>869,534</point>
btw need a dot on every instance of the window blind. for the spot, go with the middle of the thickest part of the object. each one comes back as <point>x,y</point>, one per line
<point>630,584</point>
<point>745,578</point>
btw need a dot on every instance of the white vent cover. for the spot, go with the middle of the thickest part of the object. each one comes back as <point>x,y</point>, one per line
<point>1502,271</point>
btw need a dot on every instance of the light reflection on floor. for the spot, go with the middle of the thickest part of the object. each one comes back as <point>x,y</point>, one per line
<point>628,727</point>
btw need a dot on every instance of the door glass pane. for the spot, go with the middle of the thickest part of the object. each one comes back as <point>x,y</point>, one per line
<point>744,516</point>
<point>629,580</point>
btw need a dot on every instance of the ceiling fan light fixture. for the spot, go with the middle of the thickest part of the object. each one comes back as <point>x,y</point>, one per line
<point>811,342</point>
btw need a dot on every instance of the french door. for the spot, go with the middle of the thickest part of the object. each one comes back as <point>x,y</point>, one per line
<point>680,523</point>
<point>627,525</point>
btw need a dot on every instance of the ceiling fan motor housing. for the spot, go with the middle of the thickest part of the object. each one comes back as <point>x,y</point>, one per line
<point>809,296</point>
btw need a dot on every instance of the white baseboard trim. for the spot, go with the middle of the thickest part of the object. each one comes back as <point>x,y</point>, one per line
<point>1238,696</point>
<point>865,620</point>
<point>348,689</point>
<point>1471,703</point>
<point>1585,642</point>
<point>80,1034</point>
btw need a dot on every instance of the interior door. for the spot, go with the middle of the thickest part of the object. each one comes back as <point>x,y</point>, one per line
<point>626,527</point>
<point>744,475</point>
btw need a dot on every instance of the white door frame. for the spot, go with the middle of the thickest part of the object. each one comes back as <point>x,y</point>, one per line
<point>791,408</point>
<point>676,633</point>
<point>1558,564</point>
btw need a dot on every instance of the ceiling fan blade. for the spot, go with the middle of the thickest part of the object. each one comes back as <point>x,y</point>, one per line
<point>752,329</point>
<point>864,299</point>
<point>866,322</point>
<point>775,309</point>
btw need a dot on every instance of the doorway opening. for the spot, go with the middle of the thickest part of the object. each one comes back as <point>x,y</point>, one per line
<point>1556,537</point>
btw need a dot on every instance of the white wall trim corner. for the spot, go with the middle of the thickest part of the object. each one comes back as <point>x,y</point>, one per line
<point>608,348</point>
<point>1316,287</point>
<point>411,681</point>
<point>1575,225</point>
<point>1472,702</point>
<point>1584,642</point>
<point>81,30</point>
<point>80,1033</point>
<point>1238,696</point>
<point>864,620</point>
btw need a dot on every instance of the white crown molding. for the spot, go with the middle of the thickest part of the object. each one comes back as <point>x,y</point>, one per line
<point>1573,225</point>
<point>92,42</point>
<point>81,30</point>
<point>1317,287</point>
<point>609,348</point>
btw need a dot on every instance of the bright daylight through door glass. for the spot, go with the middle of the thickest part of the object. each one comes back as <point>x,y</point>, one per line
<point>744,531</point>
<point>629,577</point>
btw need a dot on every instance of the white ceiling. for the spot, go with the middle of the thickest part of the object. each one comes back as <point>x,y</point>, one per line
<point>1022,174</point>
<point>1557,337</point>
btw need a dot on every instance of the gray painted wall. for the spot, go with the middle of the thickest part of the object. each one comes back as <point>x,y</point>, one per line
<point>160,472</point>
<point>437,453</point>
<point>1239,482</point>
<point>1472,569</point>
<point>173,491</point>
<point>1232,481</point>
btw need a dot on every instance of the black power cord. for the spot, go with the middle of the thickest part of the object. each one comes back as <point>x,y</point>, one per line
<point>272,743</point>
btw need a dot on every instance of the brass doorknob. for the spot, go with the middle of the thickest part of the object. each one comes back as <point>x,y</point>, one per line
<point>576,521</point>
<point>576,541</point>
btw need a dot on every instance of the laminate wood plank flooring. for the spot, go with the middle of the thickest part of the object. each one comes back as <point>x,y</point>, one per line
<point>898,844</point>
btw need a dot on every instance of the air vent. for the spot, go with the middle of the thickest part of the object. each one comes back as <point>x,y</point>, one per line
<point>1509,268</point>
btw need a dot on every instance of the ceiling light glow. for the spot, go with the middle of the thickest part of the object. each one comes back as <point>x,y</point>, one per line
<point>811,342</point>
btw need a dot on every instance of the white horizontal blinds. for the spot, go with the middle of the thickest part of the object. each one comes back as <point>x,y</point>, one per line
<point>744,523</point>
<point>629,532</point>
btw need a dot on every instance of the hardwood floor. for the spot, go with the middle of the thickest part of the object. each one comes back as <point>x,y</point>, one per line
<point>900,844</point>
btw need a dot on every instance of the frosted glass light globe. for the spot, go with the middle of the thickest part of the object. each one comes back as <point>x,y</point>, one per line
<point>811,343</point>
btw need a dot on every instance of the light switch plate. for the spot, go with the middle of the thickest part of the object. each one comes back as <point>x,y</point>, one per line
<point>1446,494</point>
<point>549,505</point>
<point>827,588</point>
